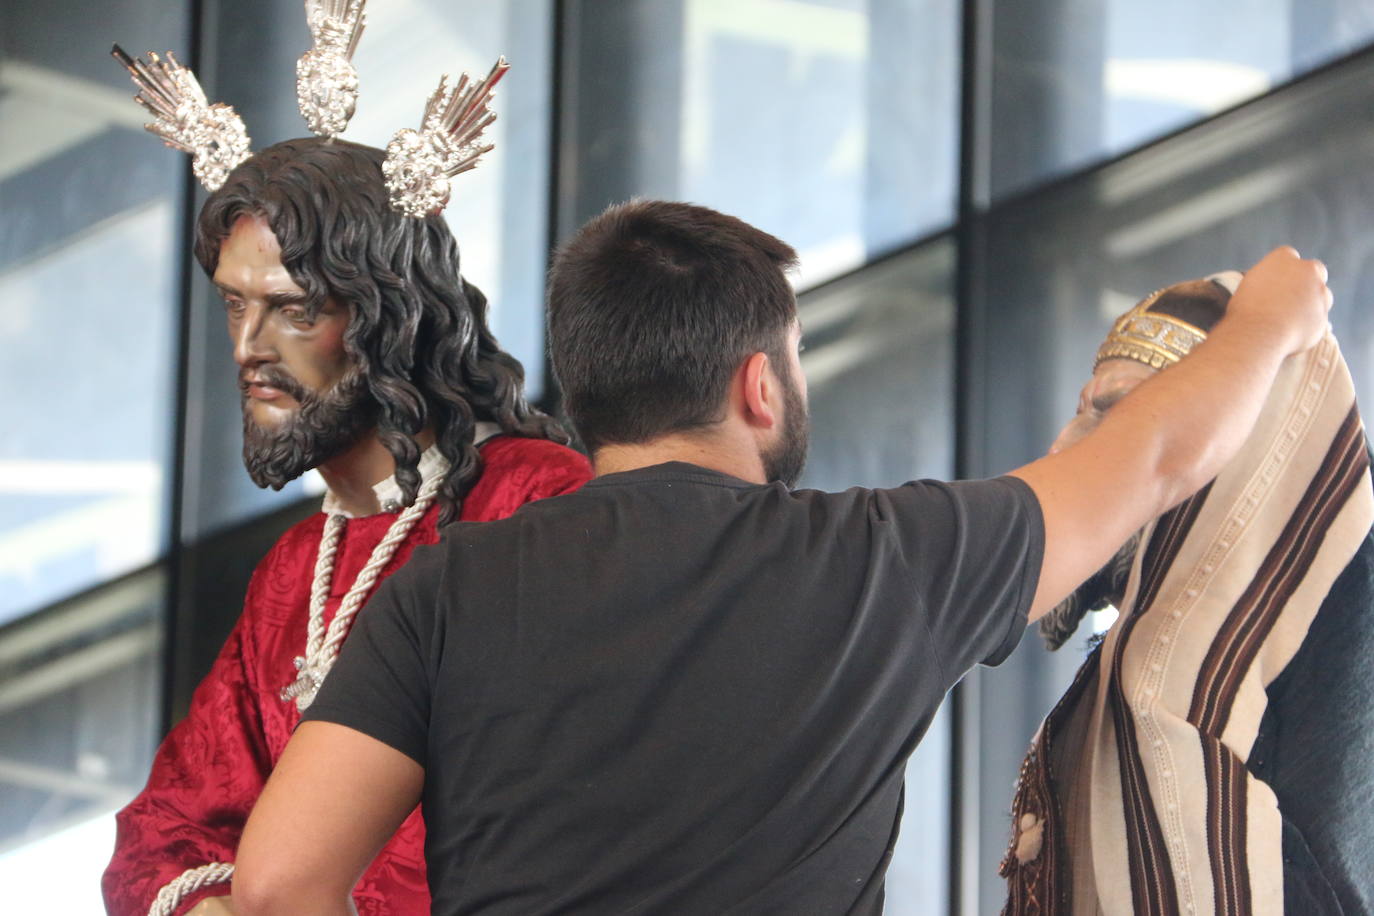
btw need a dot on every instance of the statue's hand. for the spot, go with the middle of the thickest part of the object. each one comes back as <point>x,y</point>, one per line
<point>212,906</point>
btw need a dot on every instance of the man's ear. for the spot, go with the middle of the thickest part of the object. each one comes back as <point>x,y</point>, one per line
<point>757,383</point>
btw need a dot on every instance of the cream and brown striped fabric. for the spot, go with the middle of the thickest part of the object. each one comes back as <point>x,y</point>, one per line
<point>1135,797</point>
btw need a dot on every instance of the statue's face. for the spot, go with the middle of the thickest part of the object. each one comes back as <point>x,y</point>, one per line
<point>282,352</point>
<point>1112,380</point>
<point>303,403</point>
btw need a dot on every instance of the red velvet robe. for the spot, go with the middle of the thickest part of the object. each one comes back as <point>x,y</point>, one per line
<point>209,770</point>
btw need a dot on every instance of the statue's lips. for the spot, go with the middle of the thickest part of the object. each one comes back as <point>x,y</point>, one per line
<point>263,392</point>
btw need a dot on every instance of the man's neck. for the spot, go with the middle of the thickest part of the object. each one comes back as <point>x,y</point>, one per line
<point>352,474</point>
<point>714,452</point>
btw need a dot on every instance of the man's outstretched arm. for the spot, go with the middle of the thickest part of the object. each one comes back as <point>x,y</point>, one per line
<point>333,800</point>
<point>1175,432</point>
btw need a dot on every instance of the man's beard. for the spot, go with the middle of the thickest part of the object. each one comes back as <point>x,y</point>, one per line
<point>786,458</point>
<point>323,425</point>
<point>1105,587</point>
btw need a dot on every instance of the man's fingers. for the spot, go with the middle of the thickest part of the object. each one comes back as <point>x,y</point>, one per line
<point>1327,297</point>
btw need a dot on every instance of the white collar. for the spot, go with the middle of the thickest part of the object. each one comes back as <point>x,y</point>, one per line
<point>432,462</point>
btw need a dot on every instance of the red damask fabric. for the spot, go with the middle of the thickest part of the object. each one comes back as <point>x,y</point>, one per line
<point>211,767</point>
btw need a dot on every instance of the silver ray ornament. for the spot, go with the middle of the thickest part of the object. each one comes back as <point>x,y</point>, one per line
<point>420,163</point>
<point>326,83</point>
<point>214,135</point>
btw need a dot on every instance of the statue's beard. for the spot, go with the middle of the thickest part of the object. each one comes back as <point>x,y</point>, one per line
<point>1105,587</point>
<point>323,425</point>
<point>786,458</point>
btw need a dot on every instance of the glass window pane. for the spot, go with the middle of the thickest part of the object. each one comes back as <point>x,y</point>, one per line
<point>89,212</point>
<point>830,123</point>
<point>87,266</point>
<point>79,689</point>
<point>1076,82</point>
<point>879,368</point>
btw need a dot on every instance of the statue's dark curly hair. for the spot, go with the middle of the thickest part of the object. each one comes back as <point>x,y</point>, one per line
<point>418,331</point>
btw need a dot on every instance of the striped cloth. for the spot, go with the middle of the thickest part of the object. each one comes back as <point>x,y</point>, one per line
<point>1135,796</point>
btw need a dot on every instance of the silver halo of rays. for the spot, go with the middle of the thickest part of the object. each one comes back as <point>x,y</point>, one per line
<point>326,82</point>
<point>214,135</point>
<point>420,163</point>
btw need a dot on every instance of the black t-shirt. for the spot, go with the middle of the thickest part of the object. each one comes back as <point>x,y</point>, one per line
<point>677,692</point>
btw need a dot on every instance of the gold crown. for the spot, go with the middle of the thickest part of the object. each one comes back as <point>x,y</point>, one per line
<point>1152,338</point>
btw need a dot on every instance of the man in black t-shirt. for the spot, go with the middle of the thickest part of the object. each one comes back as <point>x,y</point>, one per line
<point>688,688</point>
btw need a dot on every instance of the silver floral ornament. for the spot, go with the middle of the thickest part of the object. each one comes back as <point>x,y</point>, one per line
<point>214,135</point>
<point>326,82</point>
<point>420,163</point>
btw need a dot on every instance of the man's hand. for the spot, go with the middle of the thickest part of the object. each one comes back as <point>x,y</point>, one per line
<point>212,906</point>
<point>1283,302</point>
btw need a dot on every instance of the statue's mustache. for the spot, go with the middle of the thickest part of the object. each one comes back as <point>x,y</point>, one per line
<point>274,377</point>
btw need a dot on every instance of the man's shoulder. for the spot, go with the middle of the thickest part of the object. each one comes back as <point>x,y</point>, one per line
<point>927,505</point>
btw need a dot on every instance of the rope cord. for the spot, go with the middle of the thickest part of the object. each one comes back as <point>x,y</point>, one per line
<point>188,882</point>
<point>321,650</point>
<point>322,646</point>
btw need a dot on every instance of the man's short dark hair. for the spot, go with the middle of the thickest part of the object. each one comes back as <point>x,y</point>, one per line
<point>652,307</point>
